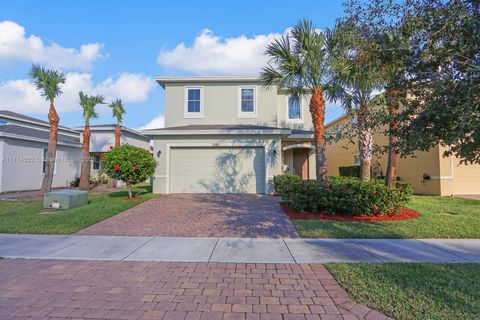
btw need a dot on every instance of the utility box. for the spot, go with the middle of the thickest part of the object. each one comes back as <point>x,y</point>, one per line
<point>65,199</point>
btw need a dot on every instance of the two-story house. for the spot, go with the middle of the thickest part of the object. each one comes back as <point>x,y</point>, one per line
<point>229,135</point>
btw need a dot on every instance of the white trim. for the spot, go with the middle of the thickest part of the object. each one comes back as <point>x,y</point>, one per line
<point>299,146</point>
<point>55,164</point>
<point>192,115</point>
<point>450,177</point>
<point>173,79</point>
<point>214,145</point>
<point>112,128</point>
<point>300,100</point>
<point>167,132</point>
<point>247,115</point>
<point>27,138</point>
<point>38,122</point>
<point>301,136</point>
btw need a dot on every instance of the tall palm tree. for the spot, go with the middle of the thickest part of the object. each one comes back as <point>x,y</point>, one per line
<point>357,82</point>
<point>392,51</point>
<point>118,112</point>
<point>88,103</point>
<point>299,63</point>
<point>48,83</point>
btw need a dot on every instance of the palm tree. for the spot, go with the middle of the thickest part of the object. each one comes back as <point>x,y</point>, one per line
<point>299,63</point>
<point>356,83</point>
<point>118,112</point>
<point>88,104</point>
<point>392,52</point>
<point>48,83</point>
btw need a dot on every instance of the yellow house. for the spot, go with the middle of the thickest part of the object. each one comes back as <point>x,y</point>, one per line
<point>428,172</point>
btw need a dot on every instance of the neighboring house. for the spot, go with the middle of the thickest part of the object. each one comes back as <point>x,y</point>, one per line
<point>428,172</point>
<point>229,135</point>
<point>103,137</point>
<point>23,149</point>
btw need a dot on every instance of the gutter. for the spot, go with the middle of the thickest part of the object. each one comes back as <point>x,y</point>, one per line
<point>28,138</point>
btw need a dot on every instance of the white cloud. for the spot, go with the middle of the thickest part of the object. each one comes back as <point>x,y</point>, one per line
<point>130,87</point>
<point>155,123</point>
<point>21,95</point>
<point>212,55</point>
<point>16,46</point>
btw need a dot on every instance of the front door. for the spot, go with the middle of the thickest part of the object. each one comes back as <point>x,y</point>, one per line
<point>300,163</point>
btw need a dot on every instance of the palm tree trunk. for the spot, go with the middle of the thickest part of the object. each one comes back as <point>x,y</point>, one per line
<point>118,134</point>
<point>85,167</point>
<point>393,157</point>
<point>53,119</point>
<point>365,141</point>
<point>317,109</point>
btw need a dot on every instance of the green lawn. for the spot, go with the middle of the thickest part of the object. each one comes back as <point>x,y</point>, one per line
<point>413,291</point>
<point>25,216</point>
<point>441,217</point>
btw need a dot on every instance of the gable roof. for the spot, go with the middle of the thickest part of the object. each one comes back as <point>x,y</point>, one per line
<point>16,131</point>
<point>23,118</point>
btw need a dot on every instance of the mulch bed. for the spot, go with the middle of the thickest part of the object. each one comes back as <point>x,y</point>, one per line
<point>133,198</point>
<point>403,214</point>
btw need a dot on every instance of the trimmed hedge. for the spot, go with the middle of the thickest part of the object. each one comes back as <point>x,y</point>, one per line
<point>342,195</point>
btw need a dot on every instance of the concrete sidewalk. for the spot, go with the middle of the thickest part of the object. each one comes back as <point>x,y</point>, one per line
<point>239,250</point>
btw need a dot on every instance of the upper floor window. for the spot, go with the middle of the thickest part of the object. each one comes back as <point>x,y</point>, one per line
<point>294,109</point>
<point>247,102</point>
<point>193,102</point>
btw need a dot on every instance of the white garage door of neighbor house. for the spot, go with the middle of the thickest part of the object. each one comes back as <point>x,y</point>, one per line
<point>217,170</point>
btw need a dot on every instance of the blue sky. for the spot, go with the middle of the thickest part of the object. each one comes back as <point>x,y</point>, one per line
<point>116,48</point>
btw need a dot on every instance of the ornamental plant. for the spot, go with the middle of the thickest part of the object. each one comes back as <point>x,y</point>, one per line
<point>129,164</point>
<point>342,195</point>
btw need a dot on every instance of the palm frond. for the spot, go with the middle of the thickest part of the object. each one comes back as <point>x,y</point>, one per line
<point>88,103</point>
<point>117,110</point>
<point>47,81</point>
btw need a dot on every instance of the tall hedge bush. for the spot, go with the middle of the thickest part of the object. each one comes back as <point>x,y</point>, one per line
<point>342,195</point>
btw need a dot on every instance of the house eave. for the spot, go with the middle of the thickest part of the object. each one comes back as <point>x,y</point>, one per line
<point>162,81</point>
<point>112,129</point>
<point>28,138</point>
<point>278,132</point>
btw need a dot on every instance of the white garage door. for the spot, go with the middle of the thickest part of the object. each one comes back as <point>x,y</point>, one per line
<point>217,170</point>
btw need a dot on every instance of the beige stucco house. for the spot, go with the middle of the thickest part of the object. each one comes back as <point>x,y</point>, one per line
<point>428,172</point>
<point>229,135</point>
<point>102,137</point>
<point>23,150</point>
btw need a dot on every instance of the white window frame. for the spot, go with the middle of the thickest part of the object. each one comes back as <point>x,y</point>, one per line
<point>99,163</point>
<point>241,114</point>
<point>187,114</point>
<point>295,120</point>
<point>54,167</point>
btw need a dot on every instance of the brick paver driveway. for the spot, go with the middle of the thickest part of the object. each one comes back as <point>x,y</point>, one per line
<point>57,289</point>
<point>201,215</point>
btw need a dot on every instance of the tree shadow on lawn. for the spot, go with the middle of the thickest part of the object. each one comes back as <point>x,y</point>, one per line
<point>137,191</point>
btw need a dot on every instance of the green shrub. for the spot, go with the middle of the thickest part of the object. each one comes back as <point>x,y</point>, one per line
<point>283,182</point>
<point>343,195</point>
<point>129,164</point>
<point>351,171</point>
